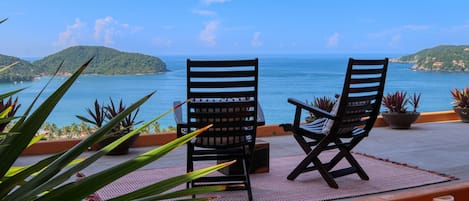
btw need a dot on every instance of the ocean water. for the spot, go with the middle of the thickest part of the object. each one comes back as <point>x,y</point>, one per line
<point>280,77</point>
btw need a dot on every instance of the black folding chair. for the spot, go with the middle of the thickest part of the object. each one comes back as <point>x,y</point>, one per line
<point>349,122</point>
<point>222,93</point>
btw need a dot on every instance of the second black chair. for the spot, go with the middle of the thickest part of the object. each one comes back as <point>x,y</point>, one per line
<point>349,122</point>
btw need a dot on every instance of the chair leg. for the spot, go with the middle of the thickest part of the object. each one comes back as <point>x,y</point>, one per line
<point>190,166</point>
<point>302,142</point>
<point>318,165</point>
<point>325,173</point>
<point>248,180</point>
<point>300,167</point>
<point>344,152</point>
<point>353,162</point>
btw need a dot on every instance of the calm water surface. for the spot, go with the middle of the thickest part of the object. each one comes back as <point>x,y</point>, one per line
<point>280,77</point>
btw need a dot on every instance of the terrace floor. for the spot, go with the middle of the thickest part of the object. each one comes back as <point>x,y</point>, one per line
<point>442,147</point>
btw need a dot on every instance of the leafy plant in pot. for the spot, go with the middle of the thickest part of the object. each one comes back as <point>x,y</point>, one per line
<point>461,103</point>
<point>101,114</point>
<point>325,103</point>
<point>397,116</point>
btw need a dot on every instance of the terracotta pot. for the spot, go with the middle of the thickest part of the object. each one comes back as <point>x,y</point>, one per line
<point>400,120</point>
<point>463,113</point>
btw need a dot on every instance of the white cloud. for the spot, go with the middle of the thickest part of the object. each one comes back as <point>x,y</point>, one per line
<point>105,26</point>
<point>398,30</point>
<point>204,12</point>
<point>106,29</point>
<point>71,35</point>
<point>207,35</point>
<point>256,40</point>
<point>333,41</point>
<point>208,2</point>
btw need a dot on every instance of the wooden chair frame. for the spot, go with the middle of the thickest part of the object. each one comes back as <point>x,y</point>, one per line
<point>223,93</point>
<point>357,111</point>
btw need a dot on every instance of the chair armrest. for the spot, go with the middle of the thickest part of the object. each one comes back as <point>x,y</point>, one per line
<point>180,124</point>
<point>300,106</point>
<point>316,111</point>
<point>260,115</point>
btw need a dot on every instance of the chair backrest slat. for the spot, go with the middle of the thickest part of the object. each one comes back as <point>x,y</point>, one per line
<point>361,95</point>
<point>221,63</point>
<point>203,74</point>
<point>223,93</point>
<point>211,95</point>
<point>225,84</point>
<point>364,80</point>
<point>363,89</point>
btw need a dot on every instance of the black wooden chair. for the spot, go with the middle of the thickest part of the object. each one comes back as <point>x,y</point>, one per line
<point>349,122</point>
<point>222,93</point>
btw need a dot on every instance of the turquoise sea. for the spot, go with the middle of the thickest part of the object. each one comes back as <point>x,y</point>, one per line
<point>280,76</point>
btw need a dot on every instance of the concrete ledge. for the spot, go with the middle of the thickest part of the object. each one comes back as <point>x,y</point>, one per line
<point>460,191</point>
<point>48,147</point>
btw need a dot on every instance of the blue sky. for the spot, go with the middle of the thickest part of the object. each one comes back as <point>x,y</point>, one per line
<point>165,27</point>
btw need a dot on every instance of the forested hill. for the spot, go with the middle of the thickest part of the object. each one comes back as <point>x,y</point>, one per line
<point>23,71</point>
<point>107,61</point>
<point>441,58</point>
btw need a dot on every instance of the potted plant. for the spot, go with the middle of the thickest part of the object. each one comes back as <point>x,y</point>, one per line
<point>325,103</point>
<point>397,116</point>
<point>100,114</point>
<point>461,103</point>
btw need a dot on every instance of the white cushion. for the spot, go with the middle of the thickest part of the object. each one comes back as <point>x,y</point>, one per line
<point>329,122</point>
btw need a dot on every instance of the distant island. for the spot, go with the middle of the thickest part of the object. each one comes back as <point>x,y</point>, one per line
<point>107,61</point>
<point>444,58</point>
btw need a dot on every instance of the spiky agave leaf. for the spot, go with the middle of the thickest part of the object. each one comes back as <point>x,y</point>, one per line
<point>28,125</point>
<point>77,190</point>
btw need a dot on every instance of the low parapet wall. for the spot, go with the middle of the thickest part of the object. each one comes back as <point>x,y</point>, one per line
<point>48,147</point>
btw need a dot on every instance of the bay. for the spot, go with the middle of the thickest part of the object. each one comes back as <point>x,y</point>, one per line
<point>280,77</point>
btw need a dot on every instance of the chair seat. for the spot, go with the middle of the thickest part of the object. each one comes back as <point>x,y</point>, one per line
<point>223,142</point>
<point>314,130</point>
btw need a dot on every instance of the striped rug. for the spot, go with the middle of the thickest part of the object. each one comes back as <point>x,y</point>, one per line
<point>384,176</point>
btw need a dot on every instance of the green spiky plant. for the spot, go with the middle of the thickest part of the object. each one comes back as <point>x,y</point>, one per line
<point>325,103</point>
<point>101,113</point>
<point>48,179</point>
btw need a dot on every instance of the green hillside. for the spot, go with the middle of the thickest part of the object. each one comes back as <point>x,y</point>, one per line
<point>23,71</point>
<point>107,61</point>
<point>447,58</point>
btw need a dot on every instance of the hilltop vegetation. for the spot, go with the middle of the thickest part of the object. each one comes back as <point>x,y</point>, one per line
<point>446,58</point>
<point>107,61</point>
<point>22,71</point>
